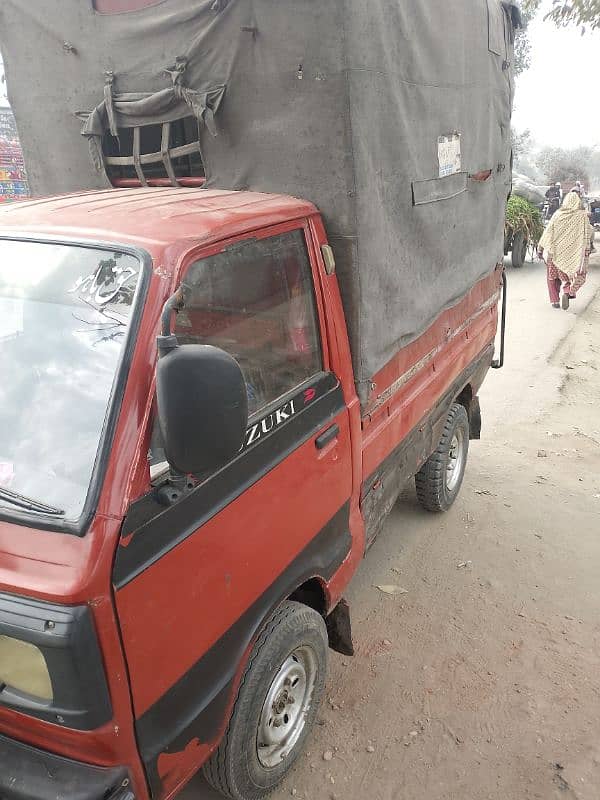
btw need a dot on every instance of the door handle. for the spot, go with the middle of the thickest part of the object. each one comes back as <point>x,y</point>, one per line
<point>329,435</point>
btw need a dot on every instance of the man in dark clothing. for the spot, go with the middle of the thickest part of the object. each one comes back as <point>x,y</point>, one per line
<point>554,197</point>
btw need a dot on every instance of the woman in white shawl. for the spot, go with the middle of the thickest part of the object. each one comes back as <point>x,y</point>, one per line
<point>566,244</point>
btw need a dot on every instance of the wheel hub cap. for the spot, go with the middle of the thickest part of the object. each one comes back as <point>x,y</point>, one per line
<point>286,707</point>
<point>456,456</point>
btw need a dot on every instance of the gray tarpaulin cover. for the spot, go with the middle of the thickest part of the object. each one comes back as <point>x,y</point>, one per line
<point>342,102</point>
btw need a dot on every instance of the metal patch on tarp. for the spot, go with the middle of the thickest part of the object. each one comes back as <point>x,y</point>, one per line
<point>437,189</point>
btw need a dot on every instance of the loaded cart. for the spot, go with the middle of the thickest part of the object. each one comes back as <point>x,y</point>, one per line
<point>217,378</point>
<point>524,225</point>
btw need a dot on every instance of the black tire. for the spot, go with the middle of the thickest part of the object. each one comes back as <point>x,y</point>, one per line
<point>519,249</point>
<point>435,490</point>
<point>236,769</point>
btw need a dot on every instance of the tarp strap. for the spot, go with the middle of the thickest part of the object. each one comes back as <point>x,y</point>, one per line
<point>177,70</point>
<point>152,108</point>
<point>109,104</point>
<point>197,102</point>
<point>137,159</point>
<point>166,153</point>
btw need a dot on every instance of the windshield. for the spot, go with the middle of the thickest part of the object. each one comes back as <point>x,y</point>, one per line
<point>65,311</point>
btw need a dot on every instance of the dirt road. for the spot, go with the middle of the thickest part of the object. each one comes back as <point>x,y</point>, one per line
<point>481,680</point>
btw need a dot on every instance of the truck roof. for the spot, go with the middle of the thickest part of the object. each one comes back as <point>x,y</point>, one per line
<point>151,217</point>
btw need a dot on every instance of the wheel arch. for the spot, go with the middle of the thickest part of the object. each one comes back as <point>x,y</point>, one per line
<point>312,593</point>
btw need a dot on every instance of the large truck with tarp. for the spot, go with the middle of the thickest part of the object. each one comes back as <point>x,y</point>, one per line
<point>264,295</point>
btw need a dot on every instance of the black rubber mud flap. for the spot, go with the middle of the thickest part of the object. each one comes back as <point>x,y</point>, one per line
<point>474,412</point>
<point>339,629</point>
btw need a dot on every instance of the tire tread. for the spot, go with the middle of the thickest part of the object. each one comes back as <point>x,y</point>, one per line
<point>215,769</point>
<point>429,480</point>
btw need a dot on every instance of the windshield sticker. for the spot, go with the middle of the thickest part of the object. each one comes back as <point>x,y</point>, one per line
<point>109,283</point>
<point>109,291</point>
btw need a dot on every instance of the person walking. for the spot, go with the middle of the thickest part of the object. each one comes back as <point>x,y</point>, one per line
<point>566,246</point>
<point>581,192</point>
<point>554,197</point>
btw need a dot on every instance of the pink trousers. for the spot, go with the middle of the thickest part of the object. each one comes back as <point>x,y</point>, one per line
<point>557,278</point>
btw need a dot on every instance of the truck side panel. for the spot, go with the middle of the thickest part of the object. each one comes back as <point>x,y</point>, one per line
<point>414,392</point>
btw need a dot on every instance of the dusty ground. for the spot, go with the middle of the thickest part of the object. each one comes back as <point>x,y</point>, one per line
<point>482,680</point>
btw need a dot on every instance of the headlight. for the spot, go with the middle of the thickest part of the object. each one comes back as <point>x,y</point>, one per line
<point>51,666</point>
<point>23,669</point>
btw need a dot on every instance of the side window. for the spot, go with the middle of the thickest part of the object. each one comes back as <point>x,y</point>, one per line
<point>255,300</point>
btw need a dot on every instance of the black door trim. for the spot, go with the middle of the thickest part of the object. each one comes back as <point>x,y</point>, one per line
<point>196,707</point>
<point>150,530</point>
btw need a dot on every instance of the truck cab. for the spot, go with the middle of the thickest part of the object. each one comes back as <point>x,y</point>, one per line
<point>187,482</point>
<point>130,601</point>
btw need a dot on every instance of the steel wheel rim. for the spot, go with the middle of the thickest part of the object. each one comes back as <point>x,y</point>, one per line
<point>286,707</point>
<point>456,458</point>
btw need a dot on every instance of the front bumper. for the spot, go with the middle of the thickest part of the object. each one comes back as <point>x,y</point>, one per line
<point>27,773</point>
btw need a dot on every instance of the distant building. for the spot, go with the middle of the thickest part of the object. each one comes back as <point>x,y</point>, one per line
<point>13,179</point>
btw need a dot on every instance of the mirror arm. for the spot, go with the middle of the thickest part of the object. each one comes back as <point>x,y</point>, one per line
<point>174,304</point>
<point>176,484</point>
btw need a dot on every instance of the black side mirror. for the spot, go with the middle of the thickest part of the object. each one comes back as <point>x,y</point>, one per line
<point>202,405</point>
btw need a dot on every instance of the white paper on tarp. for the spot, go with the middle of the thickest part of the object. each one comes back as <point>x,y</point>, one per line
<point>449,154</point>
<point>11,317</point>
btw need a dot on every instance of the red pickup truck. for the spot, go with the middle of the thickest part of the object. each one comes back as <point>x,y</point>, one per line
<point>174,543</point>
<point>213,392</point>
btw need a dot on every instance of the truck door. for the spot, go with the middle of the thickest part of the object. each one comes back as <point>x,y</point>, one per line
<point>195,580</point>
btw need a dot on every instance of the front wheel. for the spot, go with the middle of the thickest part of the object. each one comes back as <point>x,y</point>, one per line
<point>276,706</point>
<point>439,480</point>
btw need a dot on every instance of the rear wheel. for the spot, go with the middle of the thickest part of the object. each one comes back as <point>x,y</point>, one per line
<point>276,705</point>
<point>519,249</point>
<point>439,480</point>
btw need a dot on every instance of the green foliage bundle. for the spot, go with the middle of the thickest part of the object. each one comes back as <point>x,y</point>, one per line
<point>521,215</point>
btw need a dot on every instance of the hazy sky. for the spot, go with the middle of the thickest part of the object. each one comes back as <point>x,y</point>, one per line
<point>556,98</point>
